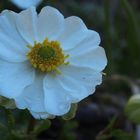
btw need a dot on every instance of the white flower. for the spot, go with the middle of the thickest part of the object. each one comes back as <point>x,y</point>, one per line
<point>47,61</point>
<point>24,4</point>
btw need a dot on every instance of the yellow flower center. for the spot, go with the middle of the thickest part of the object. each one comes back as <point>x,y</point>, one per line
<point>47,56</point>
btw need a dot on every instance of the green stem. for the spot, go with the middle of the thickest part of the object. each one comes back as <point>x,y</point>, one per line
<point>132,36</point>
<point>131,14</point>
<point>10,119</point>
<point>2,126</point>
<point>31,125</point>
<point>107,35</point>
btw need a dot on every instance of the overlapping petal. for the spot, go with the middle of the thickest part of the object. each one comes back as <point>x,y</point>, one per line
<point>13,47</point>
<point>89,43</point>
<point>50,23</point>
<point>26,22</point>
<point>40,115</point>
<point>95,59</point>
<point>74,31</point>
<point>57,102</point>
<point>14,77</point>
<point>74,84</point>
<point>32,96</point>
<point>23,4</point>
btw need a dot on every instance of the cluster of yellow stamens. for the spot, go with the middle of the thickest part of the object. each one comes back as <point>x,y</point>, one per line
<point>47,56</point>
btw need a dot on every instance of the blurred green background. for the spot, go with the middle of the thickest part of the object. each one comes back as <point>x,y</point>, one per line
<point>101,116</point>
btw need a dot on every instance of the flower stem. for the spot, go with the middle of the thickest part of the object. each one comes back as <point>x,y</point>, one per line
<point>10,119</point>
<point>31,125</point>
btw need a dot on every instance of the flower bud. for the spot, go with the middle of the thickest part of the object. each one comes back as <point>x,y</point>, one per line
<point>132,109</point>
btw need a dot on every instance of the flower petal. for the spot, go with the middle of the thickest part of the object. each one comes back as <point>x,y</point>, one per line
<point>56,100</point>
<point>40,115</point>
<point>74,31</point>
<point>74,84</point>
<point>26,22</point>
<point>14,77</point>
<point>13,47</point>
<point>79,82</point>
<point>26,3</point>
<point>50,23</point>
<point>95,59</point>
<point>33,96</point>
<point>89,43</point>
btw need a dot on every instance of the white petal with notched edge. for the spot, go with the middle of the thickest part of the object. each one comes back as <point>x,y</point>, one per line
<point>32,96</point>
<point>89,43</point>
<point>95,59</point>
<point>40,115</point>
<point>81,81</point>
<point>26,22</point>
<point>72,85</point>
<point>14,77</point>
<point>23,4</point>
<point>56,102</point>
<point>13,47</point>
<point>74,31</point>
<point>50,28</point>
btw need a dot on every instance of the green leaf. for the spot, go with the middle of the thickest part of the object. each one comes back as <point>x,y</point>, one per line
<point>67,132</point>
<point>7,103</point>
<point>2,126</point>
<point>71,114</point>
<point>121,135</point>
<point>44,125</point>
<point>132,109</point>
<point>10,119</point>
<point>105,134</point>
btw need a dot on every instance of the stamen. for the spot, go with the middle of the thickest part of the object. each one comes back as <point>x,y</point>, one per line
<point>30,47</point>
<point>66,63</point>
<point>58,71</point>
<point>104,74</point>
<point>47,56</point>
